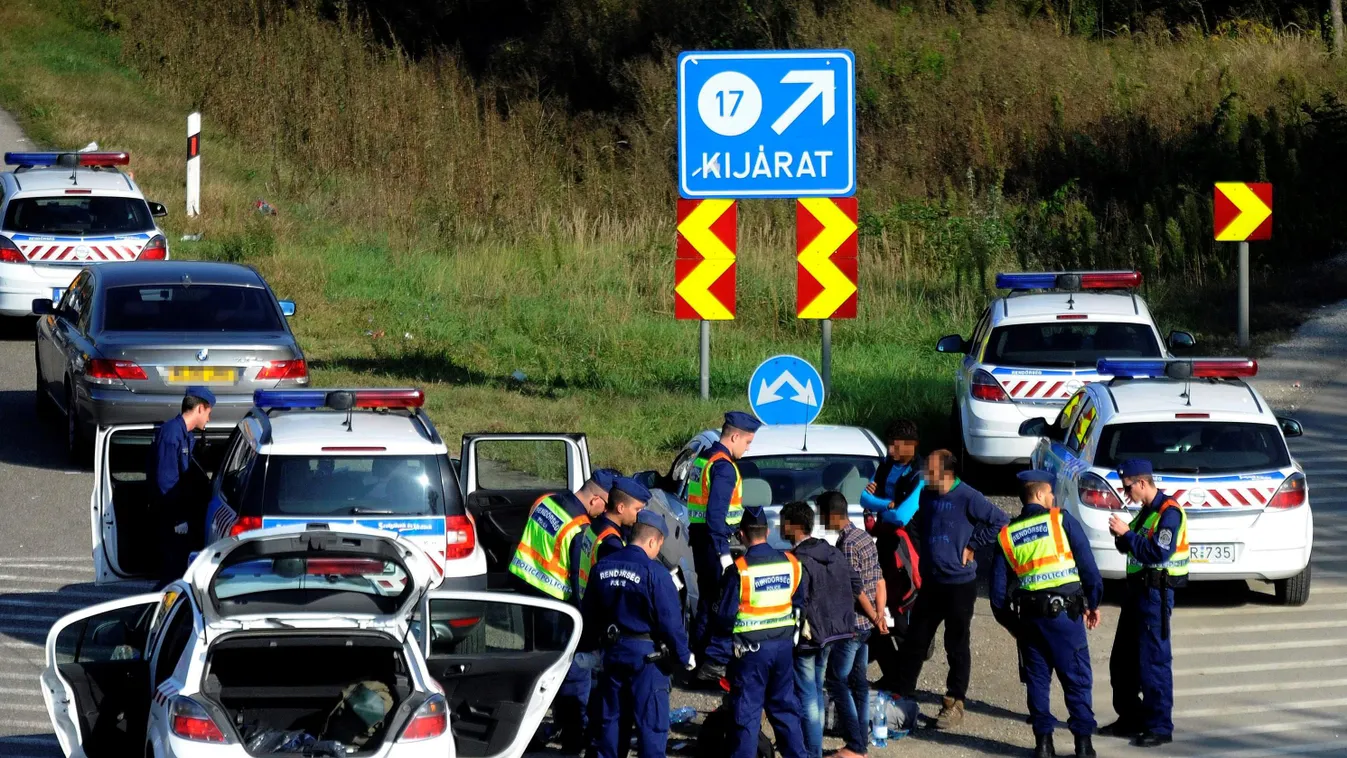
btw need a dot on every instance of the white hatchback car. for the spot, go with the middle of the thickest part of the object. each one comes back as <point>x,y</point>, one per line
<point>1217,449</point>
<point>309,636</point>
<point>1033,348</point>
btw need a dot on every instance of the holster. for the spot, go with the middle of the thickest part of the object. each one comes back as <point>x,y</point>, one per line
<point>1049,605</point>
<point>1157,579</point>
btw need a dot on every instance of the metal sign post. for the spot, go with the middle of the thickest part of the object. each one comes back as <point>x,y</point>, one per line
<point>706,359</point>
<point>1242,211</point>
<point>1243,334</point>
<point>704,270</point>
<point>828,354</point>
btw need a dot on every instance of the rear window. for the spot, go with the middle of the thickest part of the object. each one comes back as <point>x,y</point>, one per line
<point>78,214</point>
<point>1066,344</point>
<point>191,308</point>
<point>332,582</point>
<point>355,486</point>
<point>1194,447</point>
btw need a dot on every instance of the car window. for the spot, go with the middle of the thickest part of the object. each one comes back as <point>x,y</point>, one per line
<point>190,308</point>
<point>173,642</point>
<point>334,583</point>
<point>980,332</point>
<point>1069,344</point>
<point>522,464</point>
<point>804,477</point>
<point>75,301</point>
<point>83,214</point>
<point>86,293</point>
<point>238,466</point>
<point>1080,429</point>
<point>1195,447</point>
<point>1067,414</point>
<point>352,485</point>
<point>472,627</point>
<point>112,636</point>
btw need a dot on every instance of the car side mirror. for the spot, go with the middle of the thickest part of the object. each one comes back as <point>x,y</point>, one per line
<point>1034,427</point>
<point>43,306</point>
<point>952,343</point>
<point>157,209</point>
<point>287,308</point>
<point>1290,427</point>
<point>1181,340</point>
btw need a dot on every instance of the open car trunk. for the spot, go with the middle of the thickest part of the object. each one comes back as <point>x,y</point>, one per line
<point>273,683</point>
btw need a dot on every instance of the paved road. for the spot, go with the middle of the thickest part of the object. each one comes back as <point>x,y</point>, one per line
<point>1252,680</point>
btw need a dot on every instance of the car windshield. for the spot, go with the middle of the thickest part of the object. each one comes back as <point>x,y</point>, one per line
<point>354,486</point>
<point>780,479</point>
<point>1069,344</point>
<point>78,215</point>
<point>190,308</point>
<point>1194,447</point>
<point>330,582</point>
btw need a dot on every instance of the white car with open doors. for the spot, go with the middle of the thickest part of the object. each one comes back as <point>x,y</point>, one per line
<point>312,640</point>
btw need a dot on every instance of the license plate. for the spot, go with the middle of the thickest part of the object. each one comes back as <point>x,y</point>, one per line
<point>57,293</point>
<point>185,374</point>
<point>1211,554</point>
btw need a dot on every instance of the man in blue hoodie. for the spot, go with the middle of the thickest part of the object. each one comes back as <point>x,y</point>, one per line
<point>952,523</point>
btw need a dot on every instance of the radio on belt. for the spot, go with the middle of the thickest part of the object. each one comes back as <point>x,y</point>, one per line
<point>1069,280</point>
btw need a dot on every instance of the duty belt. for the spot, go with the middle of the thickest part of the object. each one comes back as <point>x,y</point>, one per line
<point>1049,605</point>
<point>613,635</point>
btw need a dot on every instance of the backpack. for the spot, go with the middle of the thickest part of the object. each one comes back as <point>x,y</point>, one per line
<point>714,737</point>
<point>360,714</point>
<point>900,564</point>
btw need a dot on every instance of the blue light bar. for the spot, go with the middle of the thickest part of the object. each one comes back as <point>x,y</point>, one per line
<point>290,398</point>
<point>1036,281</point>
<point>1131,367</point>
<point>31,159</point>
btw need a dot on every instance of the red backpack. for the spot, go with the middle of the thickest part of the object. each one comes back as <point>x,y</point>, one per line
<point>899,562</point>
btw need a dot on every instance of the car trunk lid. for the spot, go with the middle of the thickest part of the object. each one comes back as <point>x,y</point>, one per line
<point>174,360</point>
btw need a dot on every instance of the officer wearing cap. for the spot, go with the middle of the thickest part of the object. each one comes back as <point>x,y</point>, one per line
<point>715,507</point>
<point>758,607</point>
<point>1045,590</point>
<point>1156,546</point>
<point>633,615</point>
<point>170,454</point>
<point>549,550</point>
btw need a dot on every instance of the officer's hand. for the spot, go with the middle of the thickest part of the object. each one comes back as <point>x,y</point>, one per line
<point>1092,619</point>
<point>967,555</point>
<point>870,488</point>
<point>1117,526</point>
<point>691,665</point>
<point>725,561</point>
<point>180,528</point>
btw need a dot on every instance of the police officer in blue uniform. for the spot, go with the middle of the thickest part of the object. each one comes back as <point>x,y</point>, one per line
<point>170,455</point>
<point>1045,590</point>
<point>759,605</point>
<point>633,615</point>
<point>1140,667</point>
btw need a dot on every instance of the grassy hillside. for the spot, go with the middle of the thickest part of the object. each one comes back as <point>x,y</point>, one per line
<point>445,227</point>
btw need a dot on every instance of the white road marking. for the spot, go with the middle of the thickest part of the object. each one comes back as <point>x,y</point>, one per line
<point>1271,707</point>
<point>1257,647</point>
<point>1250,610</point>
<point>51,619</point>
<point>19,675</point>
<point>1237,629</point>
<point>1271,752</point>
<point>52,602</point>
<point>1231,689</point>
<point>35,739</point>
<point>1249,668</point>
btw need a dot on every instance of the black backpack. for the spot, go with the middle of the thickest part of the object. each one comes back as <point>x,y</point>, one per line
<point>714,737</point>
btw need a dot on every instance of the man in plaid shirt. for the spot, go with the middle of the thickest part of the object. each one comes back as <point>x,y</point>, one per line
<point>848,684</point>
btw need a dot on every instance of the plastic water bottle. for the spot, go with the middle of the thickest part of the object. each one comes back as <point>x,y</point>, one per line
<point>879,719</point>
<point>682,715</point>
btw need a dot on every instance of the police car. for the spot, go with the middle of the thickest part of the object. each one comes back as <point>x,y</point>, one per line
<point>279,641</point>
<point>63,211</point>
<point>1035,347</point>
<point>1217,449</point>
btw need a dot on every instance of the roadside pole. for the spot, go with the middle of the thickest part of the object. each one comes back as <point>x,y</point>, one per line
<point>1242,211</point>
<point>193,164</point>
<point>828,355</point>
<point>1243,338</point>
<point>704,270</point>
<point>706,359</point>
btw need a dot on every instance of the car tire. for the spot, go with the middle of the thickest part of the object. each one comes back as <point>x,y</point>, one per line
<point>76,444</point>
<point>1294,590</point>
<point>42,402</point>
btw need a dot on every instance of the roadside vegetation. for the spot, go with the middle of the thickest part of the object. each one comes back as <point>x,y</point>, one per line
<point>482,203</point>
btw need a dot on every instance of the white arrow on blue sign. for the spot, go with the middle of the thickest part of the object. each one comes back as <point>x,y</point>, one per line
<point>767,123</point>
<point>786,390</point>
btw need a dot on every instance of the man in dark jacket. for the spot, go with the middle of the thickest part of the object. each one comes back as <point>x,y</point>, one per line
<point>170,454</point>
<point>828,585</point>
<point>953,522</point>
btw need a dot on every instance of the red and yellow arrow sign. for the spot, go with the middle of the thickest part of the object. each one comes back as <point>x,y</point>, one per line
<point>1243,211</point>
<point>704,266</point>
<point>825,241</point>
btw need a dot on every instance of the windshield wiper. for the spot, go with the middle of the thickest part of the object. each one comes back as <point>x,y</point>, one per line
<point>372,512</point>
<point>1179,470</point>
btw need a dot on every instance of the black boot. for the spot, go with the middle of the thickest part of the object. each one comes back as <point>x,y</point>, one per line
<point>1085,746</point>
<point>1044,748</point>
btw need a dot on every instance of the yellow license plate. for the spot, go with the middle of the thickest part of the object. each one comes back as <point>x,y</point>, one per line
<point>184,374</point>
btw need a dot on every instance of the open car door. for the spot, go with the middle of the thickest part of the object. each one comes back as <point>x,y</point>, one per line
<point>504,474</point>
<point>500,658</point>
<point>96,683</point>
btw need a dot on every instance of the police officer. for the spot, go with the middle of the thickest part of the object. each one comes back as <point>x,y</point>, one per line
<point>632,613</point>
<point>170,455</point>
<point>607,533</point>
<point>1044,584</point>
<point>758,606</point>
<point>1156,546</point>
<point>715,506</point>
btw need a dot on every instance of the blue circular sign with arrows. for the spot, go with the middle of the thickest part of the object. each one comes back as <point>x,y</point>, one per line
<point>786,390</point>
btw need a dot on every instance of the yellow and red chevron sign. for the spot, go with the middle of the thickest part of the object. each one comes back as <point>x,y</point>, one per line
<point>825,241</point>
<point>704,264</point>
<point>1242,211</point>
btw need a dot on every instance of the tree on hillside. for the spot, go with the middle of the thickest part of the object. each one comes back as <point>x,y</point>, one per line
<point>1336,6</point>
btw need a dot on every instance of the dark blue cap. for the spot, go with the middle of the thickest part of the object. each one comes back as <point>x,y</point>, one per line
<point>651,518</point>
<point>1036,475</point>
<point>632,487</point>
<point>741,420</point>
<point>202,393</point>
<point>1135,467</point>
<point>604,477</point>
<point>754,516</point>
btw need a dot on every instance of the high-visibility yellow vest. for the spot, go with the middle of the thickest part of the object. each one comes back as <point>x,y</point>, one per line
<point>765,590</point>
<point>1177,565</point>
<point>543,556</point>
<point>699,490</point>
<point>589,551</point>
<point>1039,552</point>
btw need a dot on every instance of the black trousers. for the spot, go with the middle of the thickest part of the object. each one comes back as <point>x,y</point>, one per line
<point>952,605</point>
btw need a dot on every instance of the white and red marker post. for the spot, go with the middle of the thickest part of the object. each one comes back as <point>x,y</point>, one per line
<point>194,164</point>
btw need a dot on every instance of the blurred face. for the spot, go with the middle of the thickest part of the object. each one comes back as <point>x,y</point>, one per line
<point>738,443</point>
<point>937,477</point>
<point>791,533</point>
<point>903,450</point>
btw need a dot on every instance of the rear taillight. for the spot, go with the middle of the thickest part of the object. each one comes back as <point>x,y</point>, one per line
<point>190,721</point>
<point>985,387</point>
<point>10,252</point>
<point>106,371</point>
<point>460,537</point>
<point>430,720</point>
<point>1097,493</point>
<point>155,250</point>
<point>1292,494</point>
<point>245,524</point>
<point>278,370</point>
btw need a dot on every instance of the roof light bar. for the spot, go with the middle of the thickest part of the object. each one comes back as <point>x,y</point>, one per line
<point>1069,280</point>
<point>67,160</point>
<point>339,399</point>
<point>1183,368</point>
